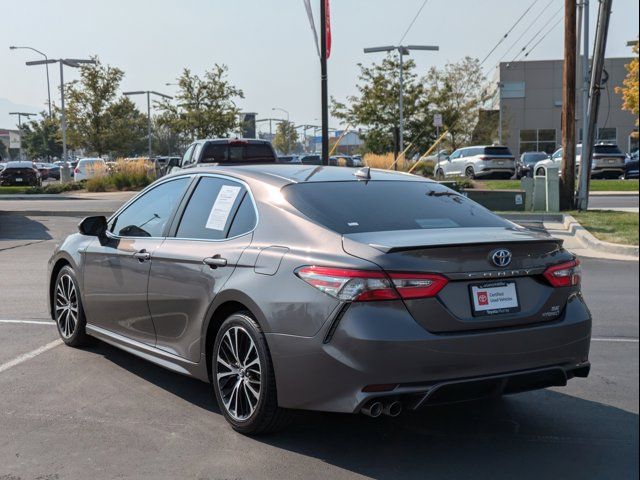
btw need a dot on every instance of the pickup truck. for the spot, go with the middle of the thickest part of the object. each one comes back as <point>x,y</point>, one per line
<point>227,151</point>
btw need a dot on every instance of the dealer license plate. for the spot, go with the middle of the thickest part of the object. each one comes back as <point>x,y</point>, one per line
<point>494,298</point>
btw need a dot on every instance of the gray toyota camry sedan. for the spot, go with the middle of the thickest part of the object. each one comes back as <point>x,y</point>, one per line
<point>323,288</point>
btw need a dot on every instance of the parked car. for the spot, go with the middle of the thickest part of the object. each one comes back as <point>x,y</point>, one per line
<point>165,164</point>
<point>311,160</point>
<point>48,170</point>
<point>289,159</point>
<point>20,173</point>
<point>438,157</point>
<point>357,161</point>
<point>287,290</point>
<point>524,166</point>
<point>89,168</point>
<point>607,162</point>
<point>228,151</point>
<point>631,166</point>
<point>476,162</point>
<point>341,161</point>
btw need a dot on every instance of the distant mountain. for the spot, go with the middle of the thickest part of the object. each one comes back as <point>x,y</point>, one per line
<point>11,121</point>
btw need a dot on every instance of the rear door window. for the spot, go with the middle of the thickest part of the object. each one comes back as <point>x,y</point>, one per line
<point>347,207</point>
<point>211,209</point>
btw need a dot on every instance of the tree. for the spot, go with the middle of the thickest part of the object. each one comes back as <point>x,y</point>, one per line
<point>204,107</point>
<point>457,92</point>
<point>127,132</point>
<point>41,138</point>
<point>98,120</point>
<point>286,137</point>
<point>629,90</point>
<point>165,140</point>
<point>376,106</point>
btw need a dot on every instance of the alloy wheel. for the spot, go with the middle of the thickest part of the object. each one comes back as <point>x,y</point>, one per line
<point>239,373</point>
<point>66,306</point>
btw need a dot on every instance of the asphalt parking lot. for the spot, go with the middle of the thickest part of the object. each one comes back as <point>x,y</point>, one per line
<point>102,413</point>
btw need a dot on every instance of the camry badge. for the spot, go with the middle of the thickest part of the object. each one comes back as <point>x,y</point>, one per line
<point>501,257</point>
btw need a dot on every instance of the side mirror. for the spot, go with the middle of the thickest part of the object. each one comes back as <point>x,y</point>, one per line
<point>93,226</point>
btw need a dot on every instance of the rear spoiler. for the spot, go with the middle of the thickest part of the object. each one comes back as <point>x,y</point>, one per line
<point>397,241</point>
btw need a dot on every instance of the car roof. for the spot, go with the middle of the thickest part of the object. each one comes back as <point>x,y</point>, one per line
<point>284,174</point>
<point>230,140</point>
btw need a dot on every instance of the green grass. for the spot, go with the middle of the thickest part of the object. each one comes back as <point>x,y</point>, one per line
<point>610,226</point>
<point>596,185</point>
<point>614,185</point>
<point>14,190</point>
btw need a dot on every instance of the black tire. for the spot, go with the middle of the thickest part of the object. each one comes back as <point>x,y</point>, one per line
<point>267,416</point>
<point>469,173</point>
<point>76,335</point>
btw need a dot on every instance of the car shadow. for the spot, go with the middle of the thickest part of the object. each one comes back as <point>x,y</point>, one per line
<point>14,226</point>
<point>531,435</point>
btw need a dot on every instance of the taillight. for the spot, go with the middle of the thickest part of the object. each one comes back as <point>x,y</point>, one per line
<point>365,286</point>
<point>566,274</point>
<point>76,170</point>
<point>418,285</point>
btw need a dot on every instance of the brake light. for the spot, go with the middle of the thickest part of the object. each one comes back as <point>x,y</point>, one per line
<point>566,274</point>
<point>418,285</point>
<point>349,285</point>
<point>76,170</point>
<point>365,285</point>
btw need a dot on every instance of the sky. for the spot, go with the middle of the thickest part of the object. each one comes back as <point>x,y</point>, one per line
<point>267,44</point>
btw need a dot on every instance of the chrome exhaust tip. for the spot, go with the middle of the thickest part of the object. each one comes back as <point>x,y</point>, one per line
<point>392,409</point>
<point>372,409</point>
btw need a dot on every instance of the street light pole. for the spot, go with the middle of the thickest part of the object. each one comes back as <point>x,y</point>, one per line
<point>69,62</point>
<point>281,110</point>
<point>148,93</point>
<point>20,115</point>
<point>46,67</point>
<point>402,50</point>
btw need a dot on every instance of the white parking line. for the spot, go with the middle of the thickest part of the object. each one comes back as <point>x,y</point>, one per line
<point>28,356</point>
<point>30,322</point>
<point>615,339</point>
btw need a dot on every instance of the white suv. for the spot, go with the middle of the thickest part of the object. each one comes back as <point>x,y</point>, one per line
<point>607,161</point>
<point>88,168</point>
<point>478,161</point>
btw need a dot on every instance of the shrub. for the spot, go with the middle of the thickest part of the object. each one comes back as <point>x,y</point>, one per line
<point>57,188</point>
<point>125,175</point>
<point>424,168</point>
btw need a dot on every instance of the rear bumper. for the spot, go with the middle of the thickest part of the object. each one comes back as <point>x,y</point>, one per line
<point>380,343</point>
<point>495,171</point>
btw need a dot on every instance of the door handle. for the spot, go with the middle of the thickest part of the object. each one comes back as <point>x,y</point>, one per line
<point>142,255</point>
<point>215,261</point>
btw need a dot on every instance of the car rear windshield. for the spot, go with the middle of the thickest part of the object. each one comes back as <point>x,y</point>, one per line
<point>377,206</point>
<point>497,151</point>
<point>237,153</point>
<point>534,157</point>
<point>607,149</point>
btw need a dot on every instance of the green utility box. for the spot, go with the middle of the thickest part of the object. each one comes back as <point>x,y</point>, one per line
<point>499,200</point>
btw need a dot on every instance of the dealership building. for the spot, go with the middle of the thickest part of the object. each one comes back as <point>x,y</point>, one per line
<point>530,103</point>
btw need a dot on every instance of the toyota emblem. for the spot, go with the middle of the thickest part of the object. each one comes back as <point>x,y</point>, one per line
<point>501,257</point>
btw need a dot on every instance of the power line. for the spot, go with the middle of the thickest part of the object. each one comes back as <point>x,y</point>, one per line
<point>532,39</point>
<point>524,32</point>
<point>544,36</point>
<point>504,37</point>
<point>413,21</point>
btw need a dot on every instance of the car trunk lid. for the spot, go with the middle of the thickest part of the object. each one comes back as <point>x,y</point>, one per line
<point>464,257</point>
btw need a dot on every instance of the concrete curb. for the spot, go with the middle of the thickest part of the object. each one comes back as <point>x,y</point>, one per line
<point>574,228</point>
<point>613,194</point>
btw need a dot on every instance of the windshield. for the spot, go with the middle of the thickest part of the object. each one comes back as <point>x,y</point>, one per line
<point>357,207</point>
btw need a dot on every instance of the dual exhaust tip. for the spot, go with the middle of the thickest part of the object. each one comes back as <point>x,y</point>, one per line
<point>375,408</point>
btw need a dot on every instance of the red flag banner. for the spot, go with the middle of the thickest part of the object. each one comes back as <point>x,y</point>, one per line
<point>328,24</point>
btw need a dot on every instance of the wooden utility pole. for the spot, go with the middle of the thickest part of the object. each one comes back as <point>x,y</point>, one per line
<point>568,170</point>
